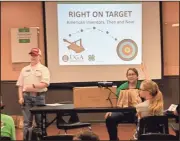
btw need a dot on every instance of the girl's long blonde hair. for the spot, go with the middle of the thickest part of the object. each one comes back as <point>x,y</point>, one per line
<point>156,103</point>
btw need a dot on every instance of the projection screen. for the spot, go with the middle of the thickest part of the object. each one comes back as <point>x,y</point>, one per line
<point>90,41</point>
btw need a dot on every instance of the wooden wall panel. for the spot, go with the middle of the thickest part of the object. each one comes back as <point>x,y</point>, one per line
<point>18,14</point>
<point>170,38</point>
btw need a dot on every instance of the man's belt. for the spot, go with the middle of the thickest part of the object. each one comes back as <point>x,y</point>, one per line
<point>34,93</point>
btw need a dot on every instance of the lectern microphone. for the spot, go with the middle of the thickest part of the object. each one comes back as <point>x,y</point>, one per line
<point>105,84</point>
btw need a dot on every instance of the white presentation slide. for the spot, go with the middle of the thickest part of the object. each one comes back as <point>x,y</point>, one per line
<point>99,34</point>
<point>99,41</point>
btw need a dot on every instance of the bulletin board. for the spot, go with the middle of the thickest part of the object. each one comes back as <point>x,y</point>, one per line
<point>22,40</point>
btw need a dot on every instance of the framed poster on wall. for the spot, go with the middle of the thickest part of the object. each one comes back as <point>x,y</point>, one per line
<point>22,40</point>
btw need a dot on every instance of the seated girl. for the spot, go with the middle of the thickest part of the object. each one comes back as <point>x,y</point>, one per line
<point>153,104</point>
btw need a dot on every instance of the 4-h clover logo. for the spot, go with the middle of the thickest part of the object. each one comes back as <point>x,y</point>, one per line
<point>91,57</point>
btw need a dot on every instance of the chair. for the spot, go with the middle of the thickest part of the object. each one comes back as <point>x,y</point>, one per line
<point>73,121</point>
<point>59,137</point>
<point>157,137</point>
<point>153,124</point>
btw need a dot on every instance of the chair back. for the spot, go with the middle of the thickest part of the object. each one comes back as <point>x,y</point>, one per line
<point>157,137</point>
<point>73,118</point>
<point>153,124</point>
<point>72,123</point>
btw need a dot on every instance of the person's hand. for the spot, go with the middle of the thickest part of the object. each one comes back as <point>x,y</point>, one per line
<point>143,67</point>
<point>21,101</point>
<point>108,114</point>
<point>144,70</point>
<point>175,113</point>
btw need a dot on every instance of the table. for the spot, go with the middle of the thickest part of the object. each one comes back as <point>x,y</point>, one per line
<point>69,108</point>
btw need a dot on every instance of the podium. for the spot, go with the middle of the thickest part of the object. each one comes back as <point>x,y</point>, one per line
<point>94,97</point>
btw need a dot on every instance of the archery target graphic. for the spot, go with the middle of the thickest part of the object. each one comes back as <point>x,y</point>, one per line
<point>127,50</point>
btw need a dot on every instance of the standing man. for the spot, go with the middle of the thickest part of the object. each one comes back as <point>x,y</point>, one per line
<point>32,87</point>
